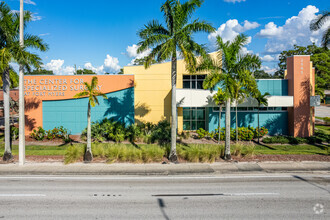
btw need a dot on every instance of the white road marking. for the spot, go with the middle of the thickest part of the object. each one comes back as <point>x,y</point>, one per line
<point>22,195</point>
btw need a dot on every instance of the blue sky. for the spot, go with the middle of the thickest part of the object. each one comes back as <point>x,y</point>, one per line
<point>101,34</point>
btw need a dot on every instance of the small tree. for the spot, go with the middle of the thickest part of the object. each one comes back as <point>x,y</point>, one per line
<point>91,92</point>
<point>262,100</point>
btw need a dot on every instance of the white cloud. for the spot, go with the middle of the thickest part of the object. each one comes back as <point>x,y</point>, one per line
<point>268,69</point>
<point>229,30</point>
<point>132,53</point>
<point>234,1</point>
<point>29,2</point>
<point>36,17</point>
<point>111,64</point>
<point>45,34</point>
<point>267,58</point>
<point>294,31</point>
<point>57,67</point>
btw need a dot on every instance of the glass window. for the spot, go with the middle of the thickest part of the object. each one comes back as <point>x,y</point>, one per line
<point>193,81</point>
<point>284,108</point>
<point>186,84</point>
<point>193,118</point>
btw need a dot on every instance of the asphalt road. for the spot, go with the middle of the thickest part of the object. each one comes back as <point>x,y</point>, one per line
<point>274,196</point>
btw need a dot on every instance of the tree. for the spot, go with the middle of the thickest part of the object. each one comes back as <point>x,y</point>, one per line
<point>85,72</point>
<point>219,99</point>
<point>91,92</point>
<point>261,74</point>
<point>229,66</point>
<point>317,23</point>
<point>41,72</point>
<point>11,51</point>
<point>321,61</point>
<point>167,42</point>
<point>262,100</point>
<point>13,78</point>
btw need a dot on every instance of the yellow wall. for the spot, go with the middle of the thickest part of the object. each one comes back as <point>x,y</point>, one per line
<point>153,91</point>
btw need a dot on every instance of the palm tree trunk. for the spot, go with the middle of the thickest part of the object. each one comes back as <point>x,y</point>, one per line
<point>173,156</point>
<point>220,108</point>
<point>236,125</point>
<point>258,123</point>
<point>6,111</point>
<point>21,145</point>
<point>88,155</point>
<point>227,143</point>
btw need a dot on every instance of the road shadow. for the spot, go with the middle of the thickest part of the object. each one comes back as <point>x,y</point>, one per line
<point>162,206</point>
<point>310,182</point>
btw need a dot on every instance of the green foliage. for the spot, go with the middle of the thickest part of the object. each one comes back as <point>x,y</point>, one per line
<point>73,153</point>
<point>319,137</point>
<point>321,61</point>
<point>85,72</point>
<point>161,133</point>
<point>111,130</point>
<point>244,133</point>
<point>38,134</point>
<point>58,132</point>
<point>261,74</point>
<point>14,132</point>
<point>240,149</point>
<point>200,153</point>
<point>41,72</point>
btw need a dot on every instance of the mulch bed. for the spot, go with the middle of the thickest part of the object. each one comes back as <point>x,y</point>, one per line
<point>256,158</point>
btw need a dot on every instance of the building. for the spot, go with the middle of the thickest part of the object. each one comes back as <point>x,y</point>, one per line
<point>144,95</point>
<point>289,110</point>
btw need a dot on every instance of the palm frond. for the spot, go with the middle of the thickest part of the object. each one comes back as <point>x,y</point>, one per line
<point>81,94</point>
<point>318,22</point>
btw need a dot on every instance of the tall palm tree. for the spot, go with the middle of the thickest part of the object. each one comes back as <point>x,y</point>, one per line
<point>11,51</point>
<point>91,92</point>
<point>219,98</point>
<point>262,100</point>
<point>167,42</point>
<point>227,68</point>
<point>317,23</point>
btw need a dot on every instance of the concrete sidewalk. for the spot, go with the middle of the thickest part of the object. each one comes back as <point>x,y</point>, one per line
<point>58,168</point>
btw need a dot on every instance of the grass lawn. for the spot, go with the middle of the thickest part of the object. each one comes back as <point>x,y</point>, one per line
<point>324,128</point>
<point>292,149</point>
<point>259,149</point>
<point>37,150</point>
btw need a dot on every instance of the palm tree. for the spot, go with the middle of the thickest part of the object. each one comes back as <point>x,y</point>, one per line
<point>262,100</point>
<point>245,86</point>
<point>91,92</point>
<point>230,66</point>
<point>11,51</point>
<point>317,23</point>
<point>219,98</point>
<point>173,40</point>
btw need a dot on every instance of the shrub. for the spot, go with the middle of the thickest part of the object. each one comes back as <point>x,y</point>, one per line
<point>200,153</point>
<point>161,133</point>
<point>276,140</point>
<point>123,153</point>
<point>133,132</point>
<point>152,153</point>
<point>73,153</point>
<point>38,134</point>
<point>98,150</point>
<point>57,132</point>
<point>14,132</point>
<point>240,149</point>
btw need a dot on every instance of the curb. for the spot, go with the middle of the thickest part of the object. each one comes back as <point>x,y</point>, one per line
<point>162,169</point>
